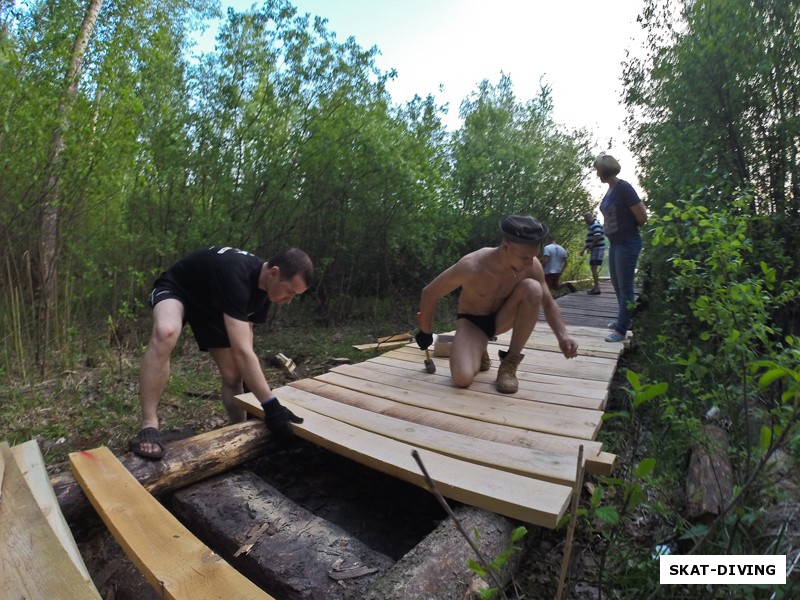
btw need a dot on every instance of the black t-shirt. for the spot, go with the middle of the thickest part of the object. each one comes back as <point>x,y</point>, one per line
<point>219,280</point>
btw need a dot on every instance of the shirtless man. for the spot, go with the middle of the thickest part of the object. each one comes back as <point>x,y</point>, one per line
<point>502,288</point>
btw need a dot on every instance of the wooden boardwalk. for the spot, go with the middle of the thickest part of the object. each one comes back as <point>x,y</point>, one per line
<point>513,454</point>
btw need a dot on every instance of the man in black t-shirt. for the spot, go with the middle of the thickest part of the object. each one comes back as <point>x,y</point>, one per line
<point>220,292</point>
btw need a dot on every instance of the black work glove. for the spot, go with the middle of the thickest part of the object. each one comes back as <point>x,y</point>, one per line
<point>424,340</point>
<point>277,418</point>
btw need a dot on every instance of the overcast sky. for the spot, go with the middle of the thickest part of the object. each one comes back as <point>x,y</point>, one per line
<point>447,47</point>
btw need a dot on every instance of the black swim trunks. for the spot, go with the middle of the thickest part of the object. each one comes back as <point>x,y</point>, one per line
<point>485,323</point>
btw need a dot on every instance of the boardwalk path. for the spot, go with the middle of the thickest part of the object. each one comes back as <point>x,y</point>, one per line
<point>512,454</point>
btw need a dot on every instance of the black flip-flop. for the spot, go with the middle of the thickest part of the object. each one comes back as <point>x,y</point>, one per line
<point>148,435</point>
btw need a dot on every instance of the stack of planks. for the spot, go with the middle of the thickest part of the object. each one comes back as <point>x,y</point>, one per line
<point>40,558</point>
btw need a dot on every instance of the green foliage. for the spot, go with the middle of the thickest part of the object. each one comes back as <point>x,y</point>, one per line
<point>714,101</point>
<point>781,372</point>
<point>282,135</point>
<point>722,294</point>
<point>500,561</point>
<point>511,158</point>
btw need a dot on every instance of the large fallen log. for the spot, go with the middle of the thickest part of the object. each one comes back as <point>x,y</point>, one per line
<point>438,566</point>
<point>185,462</point>
<point>709,482</point>
<point>279,545</point>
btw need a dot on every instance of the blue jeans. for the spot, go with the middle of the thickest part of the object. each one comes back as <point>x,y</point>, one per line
<point>622,258</point>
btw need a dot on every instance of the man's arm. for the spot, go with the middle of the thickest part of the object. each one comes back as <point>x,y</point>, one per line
<point>639,213</point>
<point>240,334</point>
<point>448,280</point>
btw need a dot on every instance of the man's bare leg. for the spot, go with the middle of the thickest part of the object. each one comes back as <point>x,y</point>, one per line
<point>520,312</point>
<point>231,383</point>
<point>465,353</point>
<point>154,371</point>
<point>596,277</point>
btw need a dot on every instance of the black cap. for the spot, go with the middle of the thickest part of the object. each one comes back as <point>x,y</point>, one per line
<point>522,230</point>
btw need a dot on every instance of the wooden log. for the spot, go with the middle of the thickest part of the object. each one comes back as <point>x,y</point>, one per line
<point>278,544</point>
<point>709,483</point>
<point>185,462</point>
<point>437,566</point>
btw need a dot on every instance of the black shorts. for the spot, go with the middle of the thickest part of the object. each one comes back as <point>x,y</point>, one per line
<point>208,329</point>
<point>486,323</point>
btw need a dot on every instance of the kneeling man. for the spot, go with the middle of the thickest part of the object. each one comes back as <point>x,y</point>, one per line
<point>502,288</point>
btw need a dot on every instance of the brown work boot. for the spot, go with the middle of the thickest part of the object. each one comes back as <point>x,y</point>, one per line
<point>507,372</point>
<point>486,362</point>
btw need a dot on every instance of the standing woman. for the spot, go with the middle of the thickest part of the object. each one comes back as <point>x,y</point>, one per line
<point>623,215</point>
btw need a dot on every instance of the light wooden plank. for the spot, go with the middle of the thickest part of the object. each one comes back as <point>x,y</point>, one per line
<point>397,337</point>
<point>597,461</point>
<point>529,500</point>
<point>591,340</point>
<point>30,461</point>
<point>34,563</point>
<point>594,390</point>
<point>380,346</point>
<point>175,562</point>
<point>552,363</point>
<point>562,393</point>
<point>546,466</point>
<point>505,410</point>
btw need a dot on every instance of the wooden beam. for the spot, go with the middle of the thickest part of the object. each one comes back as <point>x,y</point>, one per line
<point>174,561</point>
<point>398,337</point>
<point>380,346</point>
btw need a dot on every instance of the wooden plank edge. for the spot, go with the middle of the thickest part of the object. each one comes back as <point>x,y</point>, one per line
<point>30,461</point>
<point>27,538</point>
<point>174,584</point>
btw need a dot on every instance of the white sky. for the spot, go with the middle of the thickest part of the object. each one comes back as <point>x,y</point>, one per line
<point>575,46</point>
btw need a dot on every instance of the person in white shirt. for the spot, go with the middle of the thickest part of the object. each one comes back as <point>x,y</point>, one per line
<point>554,261</point>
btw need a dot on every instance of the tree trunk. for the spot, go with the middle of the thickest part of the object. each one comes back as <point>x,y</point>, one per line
<point>185,462</point>
<point>709,483</point>
<point>48,236</point>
